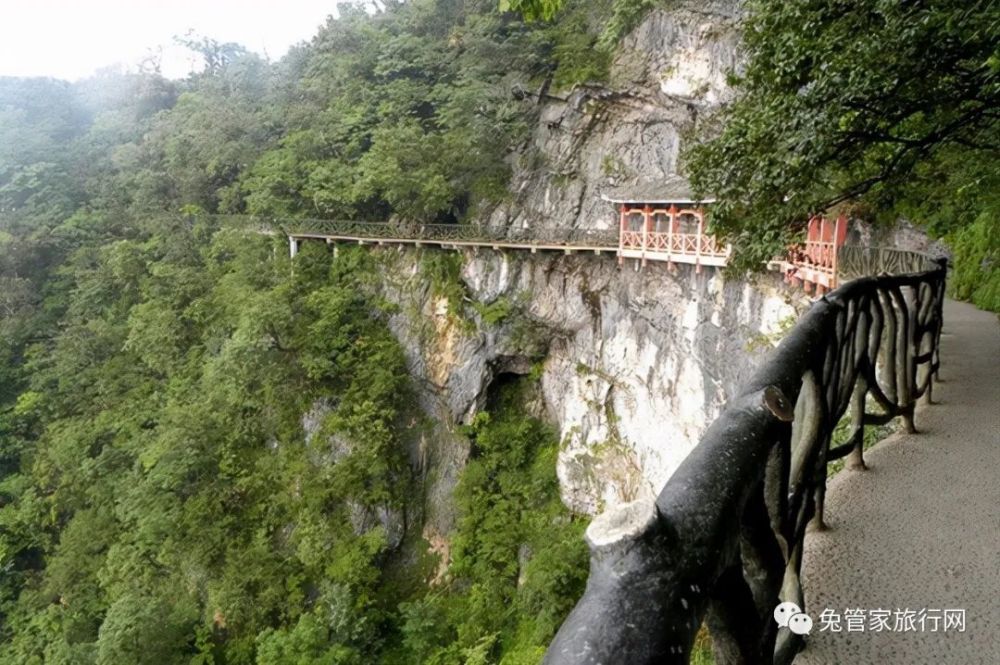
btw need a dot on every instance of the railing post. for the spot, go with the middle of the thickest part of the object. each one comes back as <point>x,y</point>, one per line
<point>856,458</point>
<point>622,618</point>
<point>622,224</point>
<point>839,234</point>
<point>905,357</point>
<point>647,216</point>
<point>701,230</point>
<point>670,235</point>
<point>888,351</point>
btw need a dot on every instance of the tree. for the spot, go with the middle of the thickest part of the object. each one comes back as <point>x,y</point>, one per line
<point>844,103</point>
<point>533,10</point>
<point>217,55</point>
<point>144,631</point>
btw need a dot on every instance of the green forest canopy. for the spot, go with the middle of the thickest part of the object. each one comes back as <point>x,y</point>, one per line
<point>159,499</point>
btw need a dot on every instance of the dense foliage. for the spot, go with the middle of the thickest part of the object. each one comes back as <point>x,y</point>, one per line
<point>163,505</point>
<point>624,15</point>
<point>205,450</point>
<point>890,107</point>
<point>414,112</point>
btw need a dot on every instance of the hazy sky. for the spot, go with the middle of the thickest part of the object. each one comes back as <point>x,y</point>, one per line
<point>70,39</point>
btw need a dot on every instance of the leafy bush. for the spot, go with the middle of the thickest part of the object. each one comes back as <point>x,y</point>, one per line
<point>495,312</point>
<point>976,263</point>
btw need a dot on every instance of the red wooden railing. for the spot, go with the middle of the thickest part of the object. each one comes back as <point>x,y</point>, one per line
<point>664,234</point>
<point>814,262</point>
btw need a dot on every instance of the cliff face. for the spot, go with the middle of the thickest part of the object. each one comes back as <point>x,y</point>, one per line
<point>634,363</point>
<point>623,140</point>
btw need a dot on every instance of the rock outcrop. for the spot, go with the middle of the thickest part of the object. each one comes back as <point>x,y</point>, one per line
<point>623,139</point>
<point>634,364</point>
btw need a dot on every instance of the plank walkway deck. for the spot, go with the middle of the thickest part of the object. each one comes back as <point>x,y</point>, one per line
<point>533,247</point>
<point>693,249</point>
<point>920,529</point>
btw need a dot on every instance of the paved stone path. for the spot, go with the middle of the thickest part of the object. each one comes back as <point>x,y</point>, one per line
<point>921,528</point>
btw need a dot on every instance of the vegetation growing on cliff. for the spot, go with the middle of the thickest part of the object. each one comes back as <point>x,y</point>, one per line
<point>888,107</point>
<point>204,449</point>
<point>519,561</point>
<point>162,503</point>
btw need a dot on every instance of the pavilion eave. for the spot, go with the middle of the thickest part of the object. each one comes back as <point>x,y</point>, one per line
<point>680,201</point>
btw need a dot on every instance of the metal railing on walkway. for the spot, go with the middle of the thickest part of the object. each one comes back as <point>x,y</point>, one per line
<point>697,249</point>
<point>401,231</point>
<point>723,542</point>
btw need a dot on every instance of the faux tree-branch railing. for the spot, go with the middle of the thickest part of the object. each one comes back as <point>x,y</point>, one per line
<point>723,542</point>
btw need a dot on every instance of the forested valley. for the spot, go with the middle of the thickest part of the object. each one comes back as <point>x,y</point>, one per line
<point>159,501</point>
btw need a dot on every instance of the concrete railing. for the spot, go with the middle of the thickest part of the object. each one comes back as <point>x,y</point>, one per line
<point>723,542</point>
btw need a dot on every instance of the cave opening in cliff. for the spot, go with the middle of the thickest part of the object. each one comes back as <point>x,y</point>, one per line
<point>501,389</point>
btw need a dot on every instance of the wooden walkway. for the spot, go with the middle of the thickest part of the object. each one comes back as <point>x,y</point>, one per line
<point>690,248</point>
<point>495,244</point>
<point>812,265</point>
